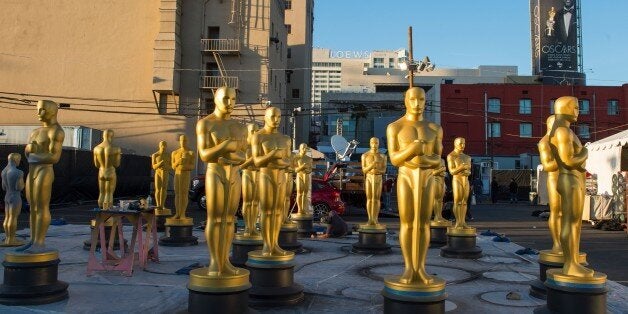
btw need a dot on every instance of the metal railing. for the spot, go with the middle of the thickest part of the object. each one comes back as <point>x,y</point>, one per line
<point>220,45</point>
<point>211,82</point>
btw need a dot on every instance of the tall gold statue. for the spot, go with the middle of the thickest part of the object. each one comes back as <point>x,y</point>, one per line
<point>12,184</point>
<point>42,153</point>
<point>250,201</point>
<point>460,168</point>
<point>290,170</point>
<point>373,167</point>
<point>183,164</point>
<point>161,164</point>
<point>106,159</point>
<point>221,144</point>
<point>570,158</point>
<point>271,153</point>
<point>304,180</point>
<point>551,167</point>
<point>415,146</point>
<point>439,193</point>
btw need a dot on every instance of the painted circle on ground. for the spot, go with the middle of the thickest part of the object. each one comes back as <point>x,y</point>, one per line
<point>378,272</point>
<point>499,260</point>
<point>508,276</point>
<point>500,298</point>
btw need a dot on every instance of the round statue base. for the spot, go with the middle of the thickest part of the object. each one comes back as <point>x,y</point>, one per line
<point>578,295</point>
<point>549,260</point>
<point>438,232</point>
<point>31,279</point>
<point>305,225</point>
<point>461,243</point>
<point>178,235</point>
<point>87,244</point>
<point>288,235</point>
<point>229,294</point>
<point>371,241</point>
<point>241,246</point>
<point>412,298</point>
<point>272,278</point>
<point>160,218</point>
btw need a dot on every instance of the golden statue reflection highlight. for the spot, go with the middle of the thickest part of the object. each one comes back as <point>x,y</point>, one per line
<point>439,194</point>
<point>570,158</point>
<point>106,159</point>
<point>271,154</point>
<point>182,163</point>
<point>42,153</point>
<point>290,170</point>
<point>221,144</point>
<point>250,201</point>
<point>12,185</point>
<point>459,165</point>
<point>304,180</point>
<point>415,146</point>
<point>160,161</point>
<point>373,167</point>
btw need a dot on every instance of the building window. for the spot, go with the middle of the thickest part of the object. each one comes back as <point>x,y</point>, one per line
<point>494,129</point>
<point>552,101</point>
<point>584,106</point>
<point>525,106</point>
<point>613,107</point>
<point>525,130</point>
<point>494,105</point>
<point>289,53</point>
<point>583,131</point>
<point>295,93</point>
<point>288,4</point>
<point>289,28</point>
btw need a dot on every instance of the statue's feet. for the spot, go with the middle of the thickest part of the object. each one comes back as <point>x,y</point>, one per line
<point>556,249</point>
<point>24,247</point>
<point>277,251</point>
<point>577,270</point>
<point>410,277</point>
<point>407,277</point>
<point>424,277</point>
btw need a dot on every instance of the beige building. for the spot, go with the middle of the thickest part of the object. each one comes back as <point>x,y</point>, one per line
<point>146,69</point>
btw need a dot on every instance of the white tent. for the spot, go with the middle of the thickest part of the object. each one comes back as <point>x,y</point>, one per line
<point>605,159</point>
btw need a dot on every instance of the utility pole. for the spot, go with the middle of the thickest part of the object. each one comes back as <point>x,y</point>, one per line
<point>410,61</point>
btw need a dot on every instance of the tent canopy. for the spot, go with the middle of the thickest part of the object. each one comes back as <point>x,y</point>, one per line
<point>605,159</point>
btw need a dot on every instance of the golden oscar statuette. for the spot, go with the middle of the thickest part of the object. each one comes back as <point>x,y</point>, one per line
<point>182,163</point>
<point>160,162</point>
<point>221,144</point>
<point>459,165</point>
<point>439,178</point>
<point>250,199</point>
<point>12,185</point>
<point>373,167</point>
<point>304,181</point>
<point>106,159</point>
<point>415,147</point>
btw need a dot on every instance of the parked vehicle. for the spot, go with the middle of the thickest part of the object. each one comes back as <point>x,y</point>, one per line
<point>324,197</point>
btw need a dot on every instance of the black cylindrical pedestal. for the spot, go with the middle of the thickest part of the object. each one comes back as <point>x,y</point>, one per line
<point>32,283</point>
<point>229,302</point>
<point>537,287</point>
<point>575,295</point>
<point>305,227</point>
<point>87,244</point>
<point>273,285</point>
<point>288,239</point>
<point>161,222</point>
<point>438,236</point>
<point>178,236</point>
<point>240,250</point>
<point>400,300</point>
<point>371,242</point>
<point>392,306</point>
<point>461,246</point>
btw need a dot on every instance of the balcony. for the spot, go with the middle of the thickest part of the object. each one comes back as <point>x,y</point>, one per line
<point>223,46</point>
<point>214,82</point>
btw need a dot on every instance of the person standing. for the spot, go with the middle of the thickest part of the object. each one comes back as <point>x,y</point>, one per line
<point>494,190</point>
<point>513,187</point>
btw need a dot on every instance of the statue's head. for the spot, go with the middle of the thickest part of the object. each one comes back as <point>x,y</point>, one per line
<point>567,106</point>
<point>251,128</point>
<point>272,117</point>
<point>415,100</point>
<point>459,144</point>
<point>14,158</point>
<point>225,99</point>
<point>183,141</point>
<point>303,149</point>
<point>107,135</point>
<point>162,145</point>
<point>47,110</point>
<point>374,143</point>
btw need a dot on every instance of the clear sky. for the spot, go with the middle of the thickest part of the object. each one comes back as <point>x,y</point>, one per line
<point>468,33</point>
